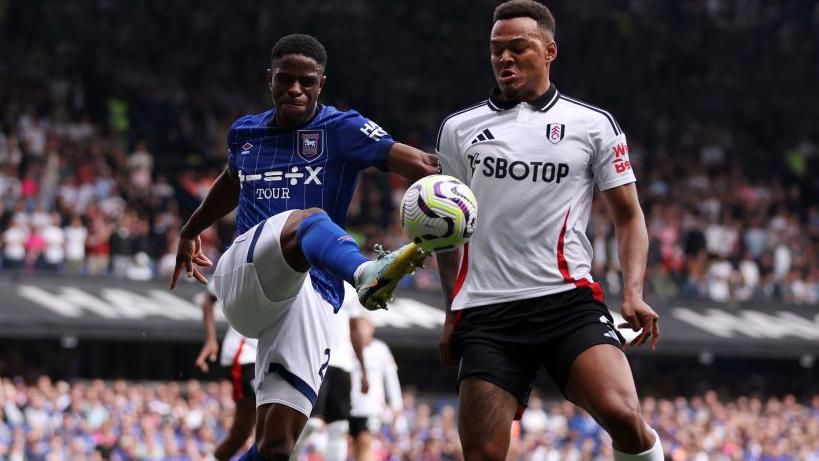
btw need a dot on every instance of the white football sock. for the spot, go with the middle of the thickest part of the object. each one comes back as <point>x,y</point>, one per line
<point>359,270</point>
<point>655,453</point>
<point>337,441</point>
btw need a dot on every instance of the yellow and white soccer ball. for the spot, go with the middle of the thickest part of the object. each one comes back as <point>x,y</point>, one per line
<point>439,212</point>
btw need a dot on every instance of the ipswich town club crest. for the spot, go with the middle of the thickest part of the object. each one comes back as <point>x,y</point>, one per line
<point>555,132</point>
<point>310,144</point>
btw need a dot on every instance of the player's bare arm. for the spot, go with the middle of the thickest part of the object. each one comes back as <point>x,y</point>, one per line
<point>210,347</point>
<point>632,244</point>
<point>222,198</point>
<point>448,264</point>
<point>358,340</point>
<point>410,162</point>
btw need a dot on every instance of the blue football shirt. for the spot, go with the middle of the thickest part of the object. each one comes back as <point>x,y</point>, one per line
<point>316,165</point>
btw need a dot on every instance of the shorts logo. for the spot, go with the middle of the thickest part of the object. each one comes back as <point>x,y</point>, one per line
<point>555,132</point>
<point>310,144</point>
<point>246,148</point>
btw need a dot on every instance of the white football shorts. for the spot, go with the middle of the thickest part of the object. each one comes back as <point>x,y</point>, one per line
<point>263,297</point>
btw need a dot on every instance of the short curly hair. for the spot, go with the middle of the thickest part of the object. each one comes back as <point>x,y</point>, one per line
<point>303,44</point>
<point>526,9</point>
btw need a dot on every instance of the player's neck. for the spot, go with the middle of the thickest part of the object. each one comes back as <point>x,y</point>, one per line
<point>536,94</point>
<point>537,97</point>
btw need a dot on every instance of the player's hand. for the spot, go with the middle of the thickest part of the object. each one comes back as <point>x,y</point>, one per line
<point>365,383</point>
<point>445,343</point>
<point>188,253</point>
<point>207,354</point>
<point>640,316</point>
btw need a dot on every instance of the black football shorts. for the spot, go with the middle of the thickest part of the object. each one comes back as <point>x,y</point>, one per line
<point>506,343</point>
<point>333,402</point>
<point>241,380</point>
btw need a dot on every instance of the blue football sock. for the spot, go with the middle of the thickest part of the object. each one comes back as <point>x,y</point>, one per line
<point>326,246</point>
<point>252,455</point>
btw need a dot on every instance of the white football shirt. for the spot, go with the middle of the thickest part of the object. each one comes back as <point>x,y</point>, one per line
<point>382,376</point>
<point>342,354</point>
<point>533,168</point>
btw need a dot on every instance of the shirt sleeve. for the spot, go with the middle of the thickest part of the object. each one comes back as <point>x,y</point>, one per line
<point>610,163</point>
<point>450,160</point>
<point>363,141</point>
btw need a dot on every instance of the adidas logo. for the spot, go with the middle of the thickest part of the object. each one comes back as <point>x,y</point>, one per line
<point>485,135</point>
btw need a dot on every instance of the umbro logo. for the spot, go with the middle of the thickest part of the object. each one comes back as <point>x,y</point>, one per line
<point>246,148</point>
<point>485,135</point>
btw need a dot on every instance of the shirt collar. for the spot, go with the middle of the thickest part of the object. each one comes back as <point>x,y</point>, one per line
<point>542,103</point>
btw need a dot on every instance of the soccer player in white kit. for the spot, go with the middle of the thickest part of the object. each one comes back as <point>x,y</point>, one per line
<point>520,295</point>
<point>370,406</point>
<point>237,357</point>
<point>292,171</point>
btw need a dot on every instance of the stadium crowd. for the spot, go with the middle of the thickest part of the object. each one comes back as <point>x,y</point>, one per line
<point>102,154</point>
<point>181,421</point>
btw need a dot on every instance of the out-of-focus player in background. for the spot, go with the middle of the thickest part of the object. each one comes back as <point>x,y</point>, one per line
<point>292,171</point>
<point>237,357</point>
<point>523,297</point>
<point>370,406</point>
<point>332,408</point>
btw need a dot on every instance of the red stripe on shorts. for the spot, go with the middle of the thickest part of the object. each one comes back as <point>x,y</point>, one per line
<point>236,374</point>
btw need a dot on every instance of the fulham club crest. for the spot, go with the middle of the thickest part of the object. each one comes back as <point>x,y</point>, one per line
<point>310,144</point>
<point>555,132</point>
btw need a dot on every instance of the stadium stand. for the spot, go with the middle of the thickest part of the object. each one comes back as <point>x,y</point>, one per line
<point>148,421</point>
<point>101,154</point>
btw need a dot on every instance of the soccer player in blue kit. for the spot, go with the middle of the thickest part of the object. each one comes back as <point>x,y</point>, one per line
<point>292,171</point>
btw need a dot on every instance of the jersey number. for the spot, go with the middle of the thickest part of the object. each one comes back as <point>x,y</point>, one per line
<point>326,362</point>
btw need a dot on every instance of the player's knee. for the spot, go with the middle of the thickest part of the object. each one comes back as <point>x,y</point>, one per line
<point>276,450</point>
<point>484,450</point>
<point>624,423</point>
<point>307,212</point>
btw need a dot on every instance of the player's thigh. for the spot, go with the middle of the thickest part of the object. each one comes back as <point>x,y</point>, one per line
<point>601,382</point>
<point>278,428</point>
<point>493,386</point>
<point>580,326</point>
<point>485,415</point>
<point>253,281</point>
<point>295,351</point>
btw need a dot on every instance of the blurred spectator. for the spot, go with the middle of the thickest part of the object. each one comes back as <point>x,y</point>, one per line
<point>75,240</point>
<point>54,241</point>
<point>14,244</point>
<point>99,248</point>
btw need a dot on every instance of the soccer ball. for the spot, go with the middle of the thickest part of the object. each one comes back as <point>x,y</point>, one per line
<point>439,212</point>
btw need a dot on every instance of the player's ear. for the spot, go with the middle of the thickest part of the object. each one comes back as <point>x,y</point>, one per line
<point>321,83</point>
<point>551,51</point>
<point>270,78</point>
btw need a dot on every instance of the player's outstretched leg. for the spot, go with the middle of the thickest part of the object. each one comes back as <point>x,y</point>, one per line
<point>485,415</point>
<point>600,381</point>
<point>311,238</point>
